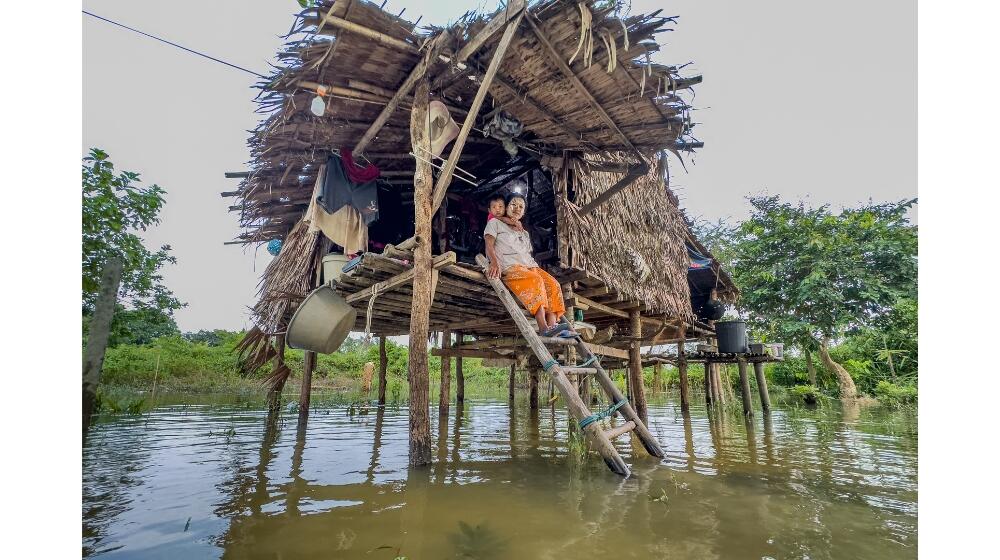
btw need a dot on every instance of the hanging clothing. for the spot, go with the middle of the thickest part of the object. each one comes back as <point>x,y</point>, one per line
<point>338,191</point>
<point>357,173</point>
<point>535,288</point>
<point>345,227</point>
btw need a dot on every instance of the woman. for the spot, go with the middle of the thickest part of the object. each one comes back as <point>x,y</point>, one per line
<point>508,247</point>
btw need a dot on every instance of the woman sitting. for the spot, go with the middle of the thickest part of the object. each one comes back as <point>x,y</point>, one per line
<point>508,247</point>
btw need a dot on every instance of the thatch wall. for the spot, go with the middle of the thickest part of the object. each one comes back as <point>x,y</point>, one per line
<point>641,221</point>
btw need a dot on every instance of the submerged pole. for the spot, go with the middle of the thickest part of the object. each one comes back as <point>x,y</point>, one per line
<point>383,364</point>
<point>533,388</point>
<point>682,368</point>
<point>420,429</point>
<point>459,373</point>
<point>510,383</point>
<point>305,393</point>
<point>745,387</point>
<point>708,383</point>
<point>638,392</point>
<point>765,399</point>
<point>444,396</point>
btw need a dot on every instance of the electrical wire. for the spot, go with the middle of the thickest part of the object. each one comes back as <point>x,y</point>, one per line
<point>192,51</point>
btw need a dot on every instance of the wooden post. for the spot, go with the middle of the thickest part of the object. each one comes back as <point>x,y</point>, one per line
<point>459,375</point>
<point>97,338</point>
<point>745,387</point>
<point>533,388</point>
<point>510,383</point>
<point>305,392</point>
<point>717,391</point>
<point>638,392</point>
<point>383,364</point>
<point>682,369</point>
<point>274,395</point>
<point>765,399</point>
<point>708,383</point>
<point>657,378</point>
<point>444,398</point>
<point>420,429</point>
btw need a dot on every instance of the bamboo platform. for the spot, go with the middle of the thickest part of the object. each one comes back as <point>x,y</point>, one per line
<point>711,357</point>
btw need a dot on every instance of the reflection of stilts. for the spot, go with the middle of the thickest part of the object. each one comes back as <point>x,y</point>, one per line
<point>376,446</point>
<point>751,438</point>
<point>414,513</point>
<point>768,438</point>
<point>512,428</point>
<point>440,466</point>
<point>688,440</point>
<point>296,488</point>
<point>456,443</point>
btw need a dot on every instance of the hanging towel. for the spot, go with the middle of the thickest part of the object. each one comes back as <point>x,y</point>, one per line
<point>338,191</point>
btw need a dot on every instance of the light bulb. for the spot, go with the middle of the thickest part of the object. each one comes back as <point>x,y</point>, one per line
<point>318,106</point>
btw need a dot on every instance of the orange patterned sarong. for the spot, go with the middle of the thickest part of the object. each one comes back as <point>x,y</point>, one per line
<point>535,288</point>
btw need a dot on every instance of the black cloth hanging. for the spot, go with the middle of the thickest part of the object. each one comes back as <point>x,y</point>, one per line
<point>339,191</point>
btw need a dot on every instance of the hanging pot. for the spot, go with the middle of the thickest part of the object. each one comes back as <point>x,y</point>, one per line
<point>322,322</point>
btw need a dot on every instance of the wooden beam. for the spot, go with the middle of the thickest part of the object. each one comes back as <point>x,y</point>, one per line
<point>555,57</point>
<point>237,174</point>
<point>468,353</point>
<point>338,90</point>
<point>400,279</point>
<point>381,38</point>
<point>418,72</point>
<point>441,187</point>
<point>580,301</point>
<point>514,10</point>
<point>607,351</point>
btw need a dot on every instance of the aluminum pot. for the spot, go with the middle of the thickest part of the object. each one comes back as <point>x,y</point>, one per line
<point>322,322</point>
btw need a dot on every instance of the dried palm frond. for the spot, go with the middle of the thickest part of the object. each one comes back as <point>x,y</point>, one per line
<point>277,378</point>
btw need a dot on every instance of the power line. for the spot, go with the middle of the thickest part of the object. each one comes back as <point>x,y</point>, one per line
<point>175,45</point>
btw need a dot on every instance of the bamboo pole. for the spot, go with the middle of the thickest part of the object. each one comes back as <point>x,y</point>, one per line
<point>533,388</point>
<point>682,369</point>
<point>97,338</point>
<point>459,375</point>
<point>305,392</point>
<point>383,365</point>
<point>376,36</point>
<point>635,367</point>
<point>745,387</point>
<point>444,179</point>
<point>420,436</point>
<point>444,396</point>
<point>765,399</point>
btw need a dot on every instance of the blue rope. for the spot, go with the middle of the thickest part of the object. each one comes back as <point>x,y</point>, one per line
<point>589,361</point>
<point>548,365</point>
<point>602,415</point>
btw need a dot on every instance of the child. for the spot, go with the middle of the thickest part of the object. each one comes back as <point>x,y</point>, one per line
<point>498,210</point>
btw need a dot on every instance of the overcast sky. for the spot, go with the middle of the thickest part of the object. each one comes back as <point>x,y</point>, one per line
<point>808,100</point>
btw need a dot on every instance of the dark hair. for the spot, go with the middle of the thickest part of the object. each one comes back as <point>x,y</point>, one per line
<point>514,195</point>
<point>496,196</point>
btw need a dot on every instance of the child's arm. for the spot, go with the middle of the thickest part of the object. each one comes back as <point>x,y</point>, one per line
<point>516,224</point>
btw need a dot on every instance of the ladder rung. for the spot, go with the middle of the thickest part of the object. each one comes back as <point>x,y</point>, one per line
<point>555,340</point>
<point>615,432</point>
<point>568,370</point>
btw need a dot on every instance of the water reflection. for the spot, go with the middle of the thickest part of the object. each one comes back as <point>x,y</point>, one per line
<point>505,484</point>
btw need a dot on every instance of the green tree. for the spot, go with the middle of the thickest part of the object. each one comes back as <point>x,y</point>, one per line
<point>115,209</point>
<point>808,275</point>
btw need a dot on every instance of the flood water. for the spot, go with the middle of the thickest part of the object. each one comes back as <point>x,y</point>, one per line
<point>214,479</point>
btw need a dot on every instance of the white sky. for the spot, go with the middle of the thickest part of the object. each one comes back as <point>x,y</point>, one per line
<point>807,100</point>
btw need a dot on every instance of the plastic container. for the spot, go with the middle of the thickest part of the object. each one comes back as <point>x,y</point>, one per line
<point>333,266</point>
<point>732,337</point>
<point>322,322</point>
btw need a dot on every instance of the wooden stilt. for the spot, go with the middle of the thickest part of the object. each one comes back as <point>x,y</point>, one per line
<point>765,399</point>
<point>745,388</point>
<point>459,377</point>
<point>682,370</point>
<point>708,383</point>
<point>305,392</point>
<point>657,378</point>
<point>510,383</point>
<point>97,339</point>
<point>718,394</point>
<point>533,388</point>
<point>383,365</point>
<point>444,397</point>
<point>274,395</point>
<point>420,430</point>
<point>635,367</point>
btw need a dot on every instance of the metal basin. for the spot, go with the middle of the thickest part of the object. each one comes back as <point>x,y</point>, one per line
<point>322,322</point>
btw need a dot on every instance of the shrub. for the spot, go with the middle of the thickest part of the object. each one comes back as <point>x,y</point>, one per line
<point>893,395</point>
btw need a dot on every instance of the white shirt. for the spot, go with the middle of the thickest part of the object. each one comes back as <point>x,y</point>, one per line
<point>511,247</point>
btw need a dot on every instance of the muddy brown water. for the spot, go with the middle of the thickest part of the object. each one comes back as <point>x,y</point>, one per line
<point>214,479</point>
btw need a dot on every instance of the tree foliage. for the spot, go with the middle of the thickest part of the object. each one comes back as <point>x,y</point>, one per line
<point>807,273</point>
<point>115,209</point>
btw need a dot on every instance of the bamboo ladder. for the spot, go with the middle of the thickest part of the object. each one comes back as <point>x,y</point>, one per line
<point>598,437</point>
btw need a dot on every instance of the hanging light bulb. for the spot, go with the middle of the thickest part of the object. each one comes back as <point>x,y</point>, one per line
<point>318,105</point>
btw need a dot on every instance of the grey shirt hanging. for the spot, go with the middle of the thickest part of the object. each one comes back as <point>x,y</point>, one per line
<point>339,191</point>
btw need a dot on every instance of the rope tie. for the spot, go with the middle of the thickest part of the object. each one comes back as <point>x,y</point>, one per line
<point>549,364</point>
<point>371,307</point>
<point>590,360</point>
<point>597,416</point>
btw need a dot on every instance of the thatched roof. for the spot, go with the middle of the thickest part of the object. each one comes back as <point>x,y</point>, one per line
<point>587,95</point>
<point>559,112</point>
